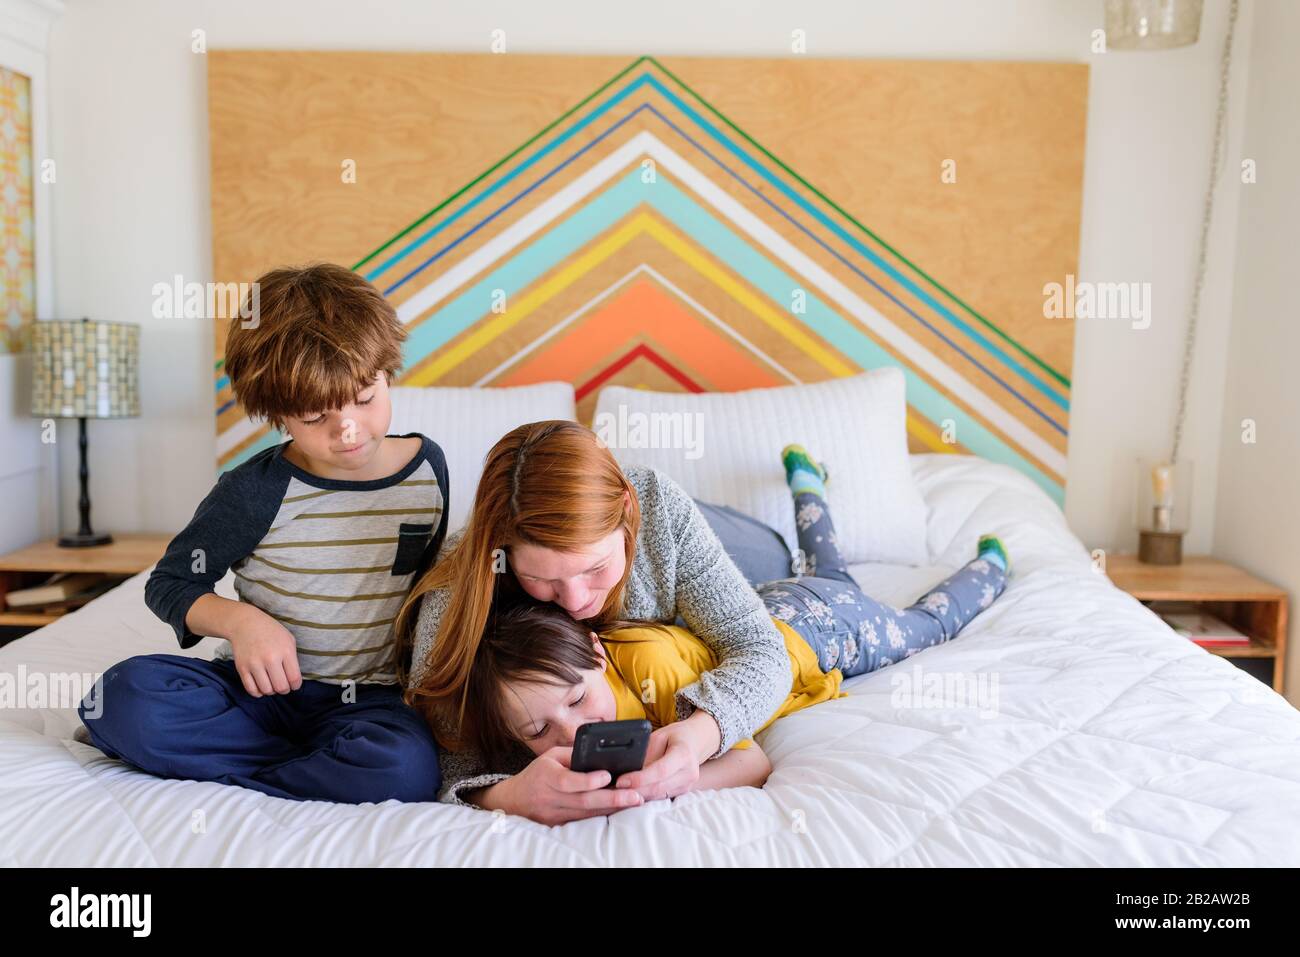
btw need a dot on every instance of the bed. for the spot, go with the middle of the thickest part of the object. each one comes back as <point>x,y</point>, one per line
<point>1100,738</point>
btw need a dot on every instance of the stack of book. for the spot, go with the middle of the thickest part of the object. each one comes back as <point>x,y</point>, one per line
<point>1205,629</point>
<point>61,593</point>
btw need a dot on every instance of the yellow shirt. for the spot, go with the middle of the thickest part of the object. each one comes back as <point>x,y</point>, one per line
<point>647,667</point>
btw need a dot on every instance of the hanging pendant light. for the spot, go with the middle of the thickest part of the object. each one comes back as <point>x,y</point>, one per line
<point>1152,24</point>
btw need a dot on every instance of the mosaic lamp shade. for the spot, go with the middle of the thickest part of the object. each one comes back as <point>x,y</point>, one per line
<point>85,370</point>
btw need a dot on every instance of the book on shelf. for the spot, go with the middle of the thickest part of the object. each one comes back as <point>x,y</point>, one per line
<point>1208,631</point>
<point>58,588</point>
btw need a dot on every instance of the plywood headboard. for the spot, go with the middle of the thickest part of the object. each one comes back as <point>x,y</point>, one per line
<point>676,223</point>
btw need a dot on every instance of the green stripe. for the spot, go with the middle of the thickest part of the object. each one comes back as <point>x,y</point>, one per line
<point>370,511</point>
<point>300,498</point>
<point>314,597</point>
<point>343,654</point>
<point>357,676</point>
<point>333,491</point>
<point>505,159</point>
<point>331,544</point>
<point>830,202</point>
<point>341,626</point>
<point>365,570</point>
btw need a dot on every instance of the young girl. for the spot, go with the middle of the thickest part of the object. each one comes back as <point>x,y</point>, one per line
<point>539,675</point>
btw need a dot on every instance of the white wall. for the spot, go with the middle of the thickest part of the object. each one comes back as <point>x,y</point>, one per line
<point>1257,525</point>
<point>28,465</point>
<point>132,205</point>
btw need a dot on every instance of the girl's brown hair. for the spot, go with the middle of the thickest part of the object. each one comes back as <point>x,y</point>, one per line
<point>550,484</point>
<point>525,641</point>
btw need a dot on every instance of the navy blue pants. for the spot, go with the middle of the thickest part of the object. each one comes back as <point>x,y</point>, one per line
<point>180,717</point>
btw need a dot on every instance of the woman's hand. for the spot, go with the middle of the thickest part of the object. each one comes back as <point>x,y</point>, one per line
<point>673,759</point>
<point>548,792</point>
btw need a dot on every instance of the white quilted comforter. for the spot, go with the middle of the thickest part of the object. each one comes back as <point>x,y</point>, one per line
<point>1112,742</point>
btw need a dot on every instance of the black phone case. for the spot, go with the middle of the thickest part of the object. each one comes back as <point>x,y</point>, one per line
<point>614,746</point>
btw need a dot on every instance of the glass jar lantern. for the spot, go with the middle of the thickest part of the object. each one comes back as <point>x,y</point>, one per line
<point>1164,507</point>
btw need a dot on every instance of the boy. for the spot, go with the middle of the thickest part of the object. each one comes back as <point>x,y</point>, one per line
<point>325,533</point>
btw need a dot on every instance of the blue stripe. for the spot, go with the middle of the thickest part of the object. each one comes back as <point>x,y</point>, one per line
<point>414,357</point>
<point>646,79</point>
<point>458,314</point>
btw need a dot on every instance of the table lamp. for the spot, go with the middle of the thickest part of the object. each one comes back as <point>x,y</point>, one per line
<point>85,370</point>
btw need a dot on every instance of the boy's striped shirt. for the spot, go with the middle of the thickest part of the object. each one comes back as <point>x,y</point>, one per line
<point>330,559</point>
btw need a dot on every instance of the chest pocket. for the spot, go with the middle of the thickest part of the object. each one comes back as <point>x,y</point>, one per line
<point>412,540</point>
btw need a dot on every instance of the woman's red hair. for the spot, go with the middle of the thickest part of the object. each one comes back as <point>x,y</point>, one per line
<point>551,484</point>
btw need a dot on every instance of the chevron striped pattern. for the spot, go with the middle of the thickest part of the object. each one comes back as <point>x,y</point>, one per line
<point>643,239</point>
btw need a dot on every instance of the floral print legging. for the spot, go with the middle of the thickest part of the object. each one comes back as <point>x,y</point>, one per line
<point>850,630</point>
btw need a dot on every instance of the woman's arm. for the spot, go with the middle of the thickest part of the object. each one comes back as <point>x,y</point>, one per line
<point>753,676</point>
<point>738,768</point>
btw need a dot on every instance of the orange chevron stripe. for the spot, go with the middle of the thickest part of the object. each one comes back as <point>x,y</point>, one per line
<point>644,311</point>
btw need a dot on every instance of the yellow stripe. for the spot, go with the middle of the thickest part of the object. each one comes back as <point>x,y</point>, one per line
<point>637,225</point>
<point>928,436</point>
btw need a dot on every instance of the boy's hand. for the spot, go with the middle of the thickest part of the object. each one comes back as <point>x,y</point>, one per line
<point>266,654</point>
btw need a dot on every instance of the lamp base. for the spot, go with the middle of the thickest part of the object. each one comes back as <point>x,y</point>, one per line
<point>85,541</point>
<point>1160,548</point>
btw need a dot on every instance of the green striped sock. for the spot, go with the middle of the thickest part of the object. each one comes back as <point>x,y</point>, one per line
<point>802,474</point>
<point>991,549</point>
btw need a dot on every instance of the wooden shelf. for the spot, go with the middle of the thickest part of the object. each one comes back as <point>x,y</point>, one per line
<point>20,619</point>
<point>1255,607</point>
<point>124,556</point>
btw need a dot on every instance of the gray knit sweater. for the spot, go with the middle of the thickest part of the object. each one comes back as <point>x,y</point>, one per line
<point>680,569</point>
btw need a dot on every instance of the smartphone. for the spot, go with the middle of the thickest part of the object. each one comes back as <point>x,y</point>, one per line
<point>614,746</point>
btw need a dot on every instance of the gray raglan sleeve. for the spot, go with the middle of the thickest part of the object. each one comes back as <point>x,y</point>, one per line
<point>461,771</point>
<point>753,675</point>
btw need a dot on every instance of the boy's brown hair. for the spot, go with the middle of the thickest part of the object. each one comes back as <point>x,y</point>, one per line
<point>321,335</point>
<point>526,640</point>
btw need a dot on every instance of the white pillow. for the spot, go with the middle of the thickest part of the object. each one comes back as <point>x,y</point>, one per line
<point>467,422</point>
<point>725,448</point>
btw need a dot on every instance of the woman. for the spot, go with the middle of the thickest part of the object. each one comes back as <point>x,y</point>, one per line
<point>556,517</point>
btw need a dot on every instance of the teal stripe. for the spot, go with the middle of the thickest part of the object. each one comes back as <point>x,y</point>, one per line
<point>861,247</point>
<point>270,440</point>
<point>647,79</point>
<point>619,201</point>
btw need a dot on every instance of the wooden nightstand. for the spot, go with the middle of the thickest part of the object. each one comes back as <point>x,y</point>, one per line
<point>1251,605</point>
<point>124,557</point>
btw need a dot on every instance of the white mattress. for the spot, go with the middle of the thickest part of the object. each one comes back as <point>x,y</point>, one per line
<point>1115,742</point>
